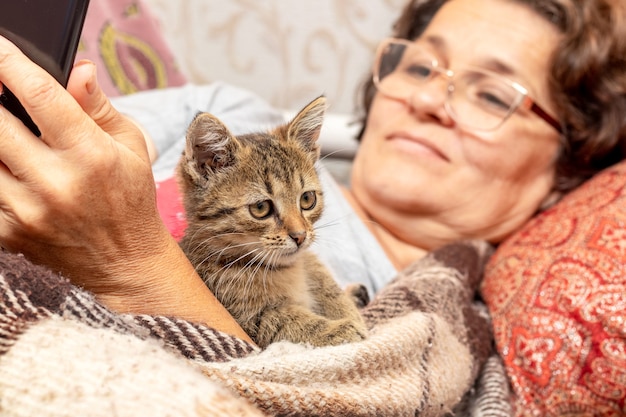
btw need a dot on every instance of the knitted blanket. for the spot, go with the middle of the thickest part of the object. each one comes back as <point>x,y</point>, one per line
<point>428,354</point>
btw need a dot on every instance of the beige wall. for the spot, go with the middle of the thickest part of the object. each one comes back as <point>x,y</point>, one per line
<point>288,51</point>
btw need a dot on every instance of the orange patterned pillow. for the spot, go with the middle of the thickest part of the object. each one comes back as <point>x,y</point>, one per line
<point>557,294</point>
<point>124,40</point>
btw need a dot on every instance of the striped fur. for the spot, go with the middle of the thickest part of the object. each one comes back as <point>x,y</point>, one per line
<point>251,204</point>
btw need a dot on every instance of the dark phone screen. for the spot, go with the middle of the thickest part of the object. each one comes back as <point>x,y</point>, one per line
<point>47,31</point>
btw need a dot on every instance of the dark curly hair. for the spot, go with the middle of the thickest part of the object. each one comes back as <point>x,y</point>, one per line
<point>587,79</point>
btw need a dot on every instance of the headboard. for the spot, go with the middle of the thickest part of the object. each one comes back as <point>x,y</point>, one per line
<point>287,51</point>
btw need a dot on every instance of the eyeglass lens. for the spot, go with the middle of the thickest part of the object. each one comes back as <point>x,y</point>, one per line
<point>477,99</point>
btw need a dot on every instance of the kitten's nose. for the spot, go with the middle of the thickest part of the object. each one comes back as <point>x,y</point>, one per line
<point>298,237</point>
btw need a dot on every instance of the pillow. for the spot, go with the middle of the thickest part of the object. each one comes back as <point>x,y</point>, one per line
<point>124,40</point>
<point>170,206</point>
<point>556,291</point>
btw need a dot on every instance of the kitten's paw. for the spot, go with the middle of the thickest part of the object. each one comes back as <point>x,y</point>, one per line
<point>344,331</point>
<point>358,294</point>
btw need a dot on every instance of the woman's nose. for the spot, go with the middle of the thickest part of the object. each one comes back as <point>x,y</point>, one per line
<point>428,101</point>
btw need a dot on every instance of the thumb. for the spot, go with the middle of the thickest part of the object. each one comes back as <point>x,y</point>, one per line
<point>83,86</point>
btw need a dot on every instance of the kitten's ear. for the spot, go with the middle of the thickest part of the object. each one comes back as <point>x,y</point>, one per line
<point>210,145</point>
<point>306,126</point>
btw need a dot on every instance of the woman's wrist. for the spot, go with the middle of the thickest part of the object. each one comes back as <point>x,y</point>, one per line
<point>163,282</point>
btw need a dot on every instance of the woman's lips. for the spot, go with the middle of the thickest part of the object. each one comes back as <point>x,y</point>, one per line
<point>417,144</point>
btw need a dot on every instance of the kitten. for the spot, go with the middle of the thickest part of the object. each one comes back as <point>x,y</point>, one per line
<point>251,202</point>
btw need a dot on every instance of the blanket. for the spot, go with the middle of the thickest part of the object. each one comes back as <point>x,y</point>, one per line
<point>429,353</point>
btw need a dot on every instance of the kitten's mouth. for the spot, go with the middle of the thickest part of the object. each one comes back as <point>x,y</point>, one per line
<point>285,257</point>
<point>291,253</point>
<point>268,257</point>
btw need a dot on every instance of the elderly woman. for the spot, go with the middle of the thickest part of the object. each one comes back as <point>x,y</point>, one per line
<point>492,110</point>
<point>479,114</point>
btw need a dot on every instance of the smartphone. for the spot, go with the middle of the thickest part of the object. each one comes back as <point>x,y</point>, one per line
<point>48,32</point>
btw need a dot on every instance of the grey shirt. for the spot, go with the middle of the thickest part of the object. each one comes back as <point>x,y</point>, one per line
<point>342,241</point>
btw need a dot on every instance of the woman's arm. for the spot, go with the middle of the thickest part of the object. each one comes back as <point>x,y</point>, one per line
<point>171,288</point>
<point>81,199</point>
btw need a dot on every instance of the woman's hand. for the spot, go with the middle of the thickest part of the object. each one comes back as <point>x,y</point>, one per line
<point>74,198</point>
<point>81,199</point>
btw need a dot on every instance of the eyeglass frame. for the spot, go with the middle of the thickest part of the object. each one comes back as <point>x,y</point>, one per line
<point>525,101</point>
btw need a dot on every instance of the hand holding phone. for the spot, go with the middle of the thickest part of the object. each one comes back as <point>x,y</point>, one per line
<point>48,32</point>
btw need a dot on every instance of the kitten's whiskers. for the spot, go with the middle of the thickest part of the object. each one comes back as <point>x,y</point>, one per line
<point>219,252</point>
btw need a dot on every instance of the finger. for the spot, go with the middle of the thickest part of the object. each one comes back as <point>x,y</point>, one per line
<point>52,109</point>
<point>19,148</point>
<point>9,186</point>
<point>15,203</point>
<point>83,86</point>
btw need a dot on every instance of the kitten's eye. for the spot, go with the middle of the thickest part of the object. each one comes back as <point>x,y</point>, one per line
<point>308,200</point>
<point>261,209</point>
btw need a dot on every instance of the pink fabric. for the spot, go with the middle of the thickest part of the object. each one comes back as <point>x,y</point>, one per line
<point>171,208</point>
<point>124,40</point>
<point>557,294</point>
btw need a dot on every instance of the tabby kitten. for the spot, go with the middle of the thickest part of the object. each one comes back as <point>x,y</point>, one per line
<point>251,202</point>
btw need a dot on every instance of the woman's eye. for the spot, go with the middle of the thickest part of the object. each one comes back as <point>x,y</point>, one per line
<point>261,209</point>
<point>487,92</point>
<point>494,100</point>
<point>418,70</point>
<point>308,200</point>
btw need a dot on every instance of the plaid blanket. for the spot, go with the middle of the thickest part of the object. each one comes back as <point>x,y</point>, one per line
<point>429,353</point>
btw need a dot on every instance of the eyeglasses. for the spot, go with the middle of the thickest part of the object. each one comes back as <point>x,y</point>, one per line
<point>476,98</point>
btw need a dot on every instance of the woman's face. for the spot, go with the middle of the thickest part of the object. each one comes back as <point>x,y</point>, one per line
<point>429,181</point>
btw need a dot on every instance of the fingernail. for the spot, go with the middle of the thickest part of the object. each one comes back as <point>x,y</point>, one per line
<point>92,81</point>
